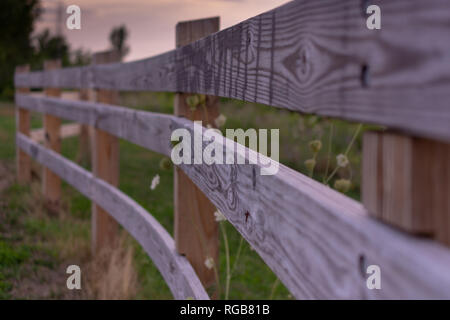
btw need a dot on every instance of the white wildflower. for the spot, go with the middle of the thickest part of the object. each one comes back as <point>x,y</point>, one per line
<point>342,160</point>
<point>155,182</point>
<point>220,121</point>
<point>209,263</point>
<point>219,216</point>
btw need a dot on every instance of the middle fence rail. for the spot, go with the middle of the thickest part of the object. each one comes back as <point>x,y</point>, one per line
<point>316,240</point>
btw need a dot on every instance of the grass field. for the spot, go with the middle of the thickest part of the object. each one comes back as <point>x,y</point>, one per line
<point>36,246</point>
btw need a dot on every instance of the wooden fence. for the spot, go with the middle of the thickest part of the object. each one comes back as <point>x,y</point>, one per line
<point>307,56</point>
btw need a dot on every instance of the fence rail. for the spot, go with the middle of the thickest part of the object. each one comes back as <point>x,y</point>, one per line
<point>308,56</point>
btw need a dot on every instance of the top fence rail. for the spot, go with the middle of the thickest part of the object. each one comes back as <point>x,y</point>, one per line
<point>307,56</point>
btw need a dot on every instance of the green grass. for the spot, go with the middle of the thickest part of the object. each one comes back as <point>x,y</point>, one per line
<point>31,245</point>
<point>7,129</point>
<point>11,258</point>
<point>252,278</point>
<point>13,255</point>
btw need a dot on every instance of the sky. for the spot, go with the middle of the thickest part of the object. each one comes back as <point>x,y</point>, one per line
<point>151,23</point>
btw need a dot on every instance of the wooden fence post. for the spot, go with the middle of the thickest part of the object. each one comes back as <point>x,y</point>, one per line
<point>105,164</point>
<point>51,183</point>
<point>406,182</point>
<point>196,231</point>
<point>84,140</point>
<point>23,161</point>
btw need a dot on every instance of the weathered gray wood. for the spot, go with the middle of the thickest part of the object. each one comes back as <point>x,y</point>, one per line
<point>312,237</point>
<point>318,241</point>
<point>23,119</point>
<point>309,56</point>
<point>176,270</point>
<point>146,129</point>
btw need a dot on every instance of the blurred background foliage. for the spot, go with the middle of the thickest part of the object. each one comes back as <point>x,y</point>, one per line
<point>21,44</point>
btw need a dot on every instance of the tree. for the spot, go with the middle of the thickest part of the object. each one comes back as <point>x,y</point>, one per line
<point>50,47</point>
<point>18,45</point>
<point>16,24</point>
<point>118,37</point>
<point>80,57</point>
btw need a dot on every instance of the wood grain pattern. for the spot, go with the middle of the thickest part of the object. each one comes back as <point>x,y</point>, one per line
<point>196,232</point>
<point>440,173</point>
<point>132,125</point>
<point>372,176</point>
<point>176,270</point>
<point>315,239</point>
<point>397,181</point>
<point>51,183</point>
<point>308,56</point>
<point>23,161</point>
<point>105,164</point>
<point>405,182</point>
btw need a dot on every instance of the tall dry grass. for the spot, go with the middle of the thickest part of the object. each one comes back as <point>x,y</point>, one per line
<point>111,274</point>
